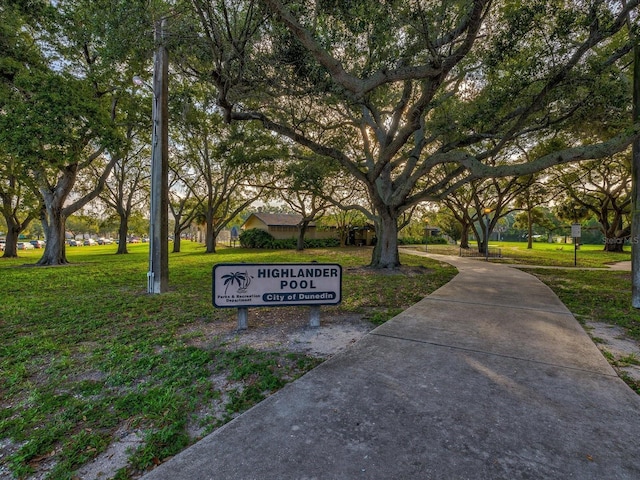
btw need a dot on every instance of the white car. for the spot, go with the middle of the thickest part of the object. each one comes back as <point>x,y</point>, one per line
<point>25,246</point>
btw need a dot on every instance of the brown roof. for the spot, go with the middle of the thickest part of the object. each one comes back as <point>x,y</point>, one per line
<point>279,219</point>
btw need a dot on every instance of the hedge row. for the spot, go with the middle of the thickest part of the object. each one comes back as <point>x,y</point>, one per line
<point>422,241</point>
<point>257,238</point>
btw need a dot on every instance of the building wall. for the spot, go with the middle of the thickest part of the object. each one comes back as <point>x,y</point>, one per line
<point>282,232</point>
<point>324,233</point>
<point>278,232</point>
<point>254,222</point>
<point>285,232</point>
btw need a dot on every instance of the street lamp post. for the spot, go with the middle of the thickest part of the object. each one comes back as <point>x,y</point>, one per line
<point>487,211</point>
<point>158,274</point>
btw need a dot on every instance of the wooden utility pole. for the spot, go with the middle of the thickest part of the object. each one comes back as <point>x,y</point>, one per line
<point>158,275</point>
<point>635,175</point>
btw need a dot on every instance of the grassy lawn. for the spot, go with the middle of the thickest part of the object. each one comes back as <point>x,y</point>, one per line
<point>86,354</point>
<point>556,254</point>
<point>547,254</point>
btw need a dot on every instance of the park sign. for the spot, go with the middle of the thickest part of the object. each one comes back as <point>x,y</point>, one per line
<point>240,285</point>
<point>576,230</point>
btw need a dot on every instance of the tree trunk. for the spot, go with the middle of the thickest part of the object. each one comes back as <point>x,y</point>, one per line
<point>123,229</point>
<point>614,245</point>
<point>210,236</point>
<point>55,213</point>
<point>176,240</point>
<point>302,230</point>
<point>55,248</point>
<point>529,229</point>
<point>464,236</point>
<point>344,235</point>
<point>481,234</point>
<point>615,236</point>
<point>385,252</point>
<point>635,178</point>
<point>14,228</point>
<point>11,245</point>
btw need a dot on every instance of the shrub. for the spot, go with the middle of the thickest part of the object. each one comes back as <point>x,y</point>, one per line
<point>291,243</point>
<point>256,238</point>
<point>437,241</point>
<point>322,243</point>
<point>410,240</point>
<point>422,240</point>
<point>284,244</point>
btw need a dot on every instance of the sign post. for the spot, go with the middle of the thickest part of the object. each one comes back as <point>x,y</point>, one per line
<point>243,285</point>
<point>576,233</point>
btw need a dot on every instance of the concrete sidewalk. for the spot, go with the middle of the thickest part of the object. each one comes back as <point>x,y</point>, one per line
<point>490,377</point>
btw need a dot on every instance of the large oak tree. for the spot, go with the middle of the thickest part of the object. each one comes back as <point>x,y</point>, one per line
<point>59,109</point>
<point>229,166</point>
<point>601,189</point>
<point>398,91</point>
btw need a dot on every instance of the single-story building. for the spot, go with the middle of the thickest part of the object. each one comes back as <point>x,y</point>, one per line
<point>283,226</point>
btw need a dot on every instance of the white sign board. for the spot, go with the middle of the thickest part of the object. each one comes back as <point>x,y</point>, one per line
<point>238,285</point>
<point>576,230</point>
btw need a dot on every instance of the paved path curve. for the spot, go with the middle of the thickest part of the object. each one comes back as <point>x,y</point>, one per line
<point>490,377</point>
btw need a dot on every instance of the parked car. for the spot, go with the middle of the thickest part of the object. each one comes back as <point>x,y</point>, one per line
<point>105,241</point>
<point>25,246</point>
<point>2,244</point>
<point>89,242</point>
<point>74,243</point>
<point>37,243</point>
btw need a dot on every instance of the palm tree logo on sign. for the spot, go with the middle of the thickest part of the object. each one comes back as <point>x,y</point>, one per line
<point>243,279</point>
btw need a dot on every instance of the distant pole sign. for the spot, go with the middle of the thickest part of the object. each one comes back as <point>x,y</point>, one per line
<point>239,285</point>
<point>576,233</point>
<point>576,230</point>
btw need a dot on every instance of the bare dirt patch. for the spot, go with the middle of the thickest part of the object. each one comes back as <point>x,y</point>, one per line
<point>284,329</point>
<point>114,458</point>
<point>621,350</point>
